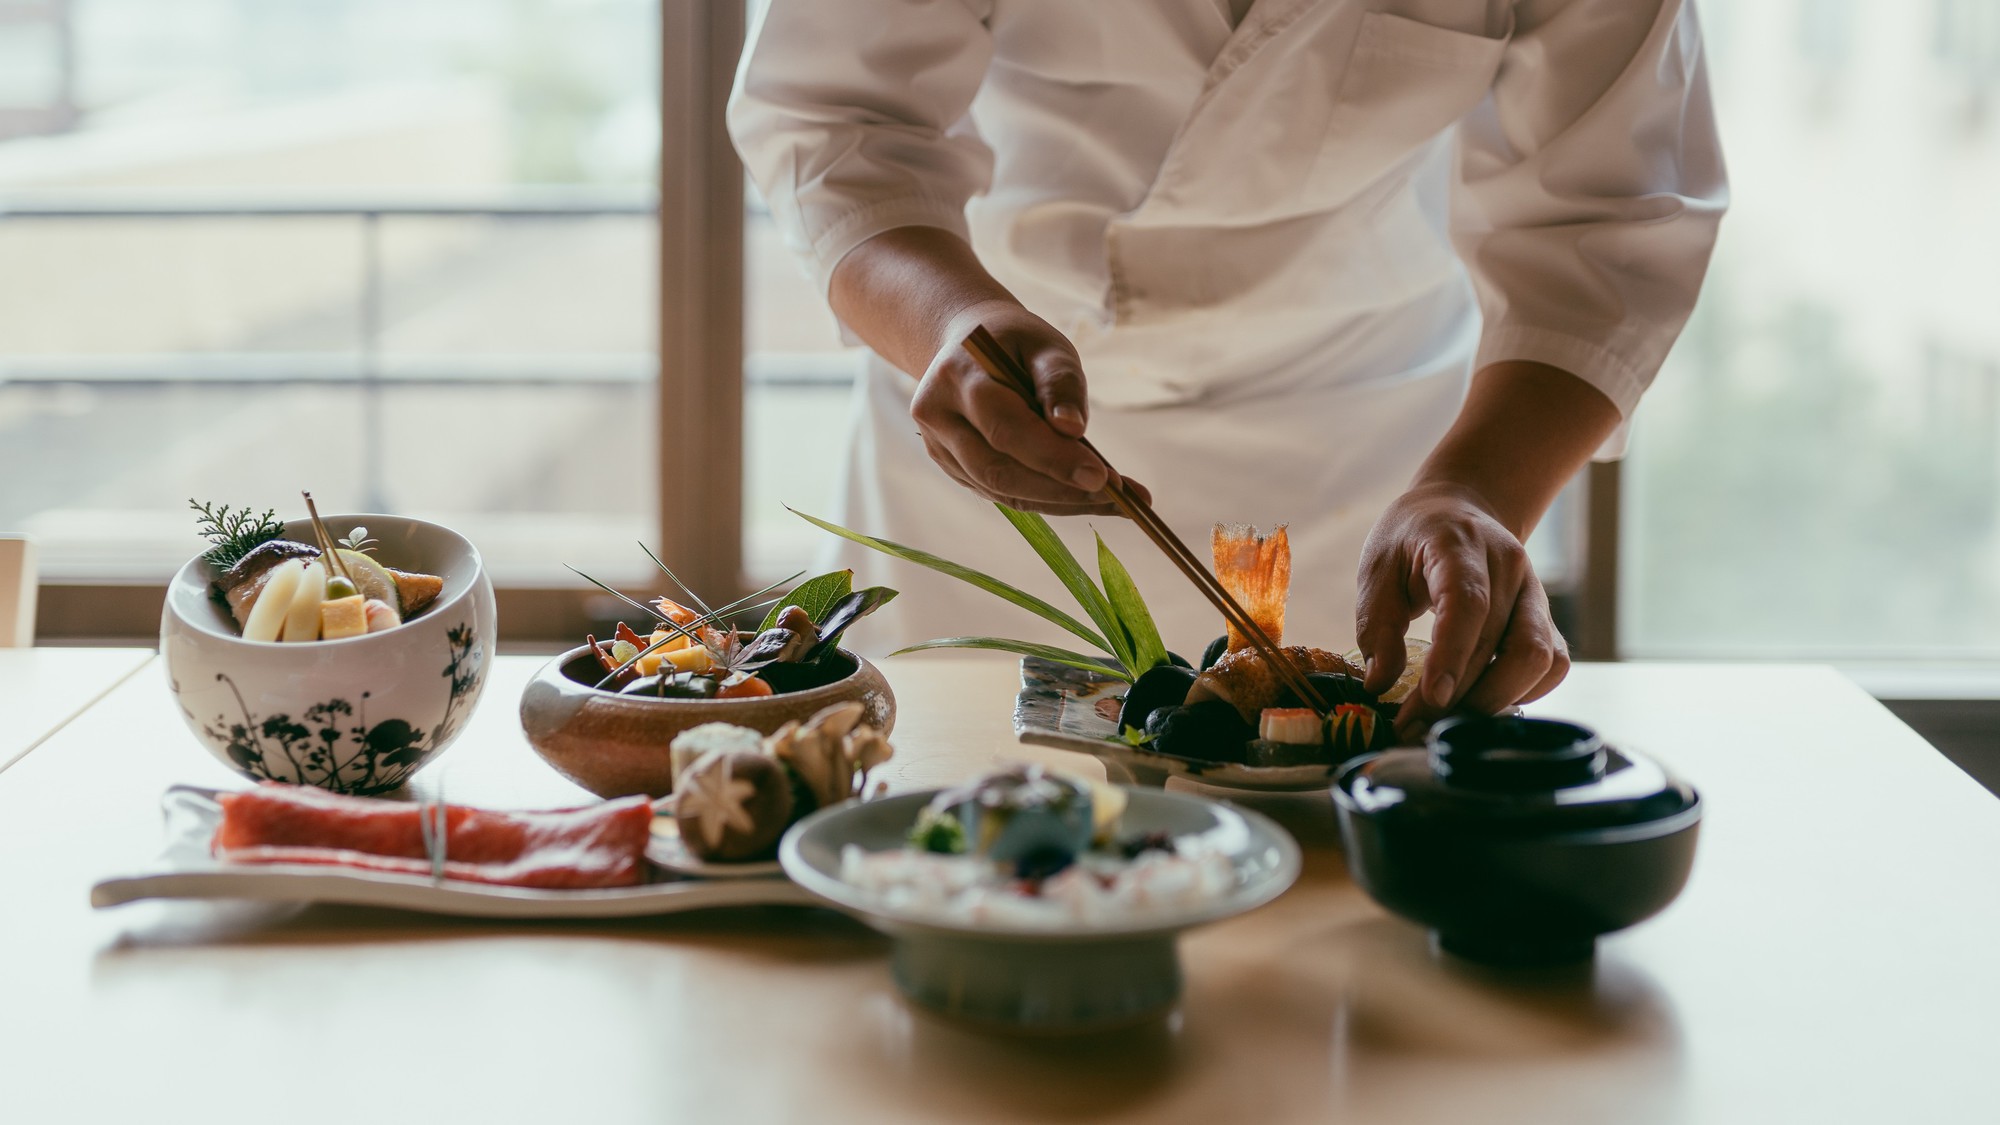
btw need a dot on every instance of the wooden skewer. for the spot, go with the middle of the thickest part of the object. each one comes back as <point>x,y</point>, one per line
<point>1003,367</point>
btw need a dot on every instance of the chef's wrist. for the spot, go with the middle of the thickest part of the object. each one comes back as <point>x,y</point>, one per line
<point>1436,489</point>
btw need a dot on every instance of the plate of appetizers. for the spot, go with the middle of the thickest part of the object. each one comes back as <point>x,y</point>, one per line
<point>1031,899</point>
<point>1232,720</point>
<point>282,843</point>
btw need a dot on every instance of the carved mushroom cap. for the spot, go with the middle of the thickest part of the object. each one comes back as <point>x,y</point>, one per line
<point>733,805</point>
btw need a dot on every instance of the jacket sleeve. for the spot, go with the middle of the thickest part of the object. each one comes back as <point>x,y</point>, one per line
<point>850,116</point>
<point>1590,186</point>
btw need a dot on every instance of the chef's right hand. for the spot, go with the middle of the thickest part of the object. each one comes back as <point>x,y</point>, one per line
<point>987,438</point>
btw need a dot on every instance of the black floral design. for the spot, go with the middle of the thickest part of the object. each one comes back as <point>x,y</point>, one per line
<point>333,746</point>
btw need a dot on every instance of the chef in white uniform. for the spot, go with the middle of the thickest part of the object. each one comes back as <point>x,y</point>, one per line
<point>1389,271</point>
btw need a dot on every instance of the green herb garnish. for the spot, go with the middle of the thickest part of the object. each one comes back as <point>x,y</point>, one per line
<point>235,533</point>
<point>938,832</point>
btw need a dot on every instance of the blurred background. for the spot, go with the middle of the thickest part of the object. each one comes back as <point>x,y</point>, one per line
<point>239,238</point>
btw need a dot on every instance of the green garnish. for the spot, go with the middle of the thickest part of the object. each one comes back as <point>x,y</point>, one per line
<point>235,533</point>
<point>1133,736</point>
<point>938,832</point>
<point>1124,627</point>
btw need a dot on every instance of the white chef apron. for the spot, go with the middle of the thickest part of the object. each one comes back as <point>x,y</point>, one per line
<point>1323,455</point>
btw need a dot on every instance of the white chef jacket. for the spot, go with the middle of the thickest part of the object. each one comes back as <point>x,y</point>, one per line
<point>1280,243</point>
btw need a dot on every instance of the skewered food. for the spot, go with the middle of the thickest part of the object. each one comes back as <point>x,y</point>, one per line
<point>282,590</point>
<point>698,654</point>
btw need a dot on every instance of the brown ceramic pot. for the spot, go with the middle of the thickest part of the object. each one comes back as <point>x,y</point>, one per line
<point>616,745</point>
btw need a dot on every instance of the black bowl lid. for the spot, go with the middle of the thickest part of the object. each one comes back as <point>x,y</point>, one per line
<point>1514,776</point>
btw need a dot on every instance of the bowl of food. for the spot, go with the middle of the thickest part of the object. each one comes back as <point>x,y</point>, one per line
<point>1032,901</point>
<point>1517,841</point>
<point>344,654</point>
<point>606,714</point>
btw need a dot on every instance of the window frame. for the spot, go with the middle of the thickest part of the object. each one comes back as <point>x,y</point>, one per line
<point>700,367</point>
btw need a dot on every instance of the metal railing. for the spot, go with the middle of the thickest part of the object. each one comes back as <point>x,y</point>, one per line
<point>368,369</point>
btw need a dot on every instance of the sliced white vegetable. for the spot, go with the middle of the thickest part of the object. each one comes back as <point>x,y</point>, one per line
<point>302,620</point>
<point>267,614</point>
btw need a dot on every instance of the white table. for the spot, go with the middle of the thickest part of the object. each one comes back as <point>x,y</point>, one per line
<point>43,688</point>
<point>1835,958</point>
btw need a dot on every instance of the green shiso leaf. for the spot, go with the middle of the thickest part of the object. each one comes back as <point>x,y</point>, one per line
<point>845,612</point>
<point>1148,650</point>
<point>986,582</point>
<point>815,595</point>
<point>1047,544</point>
<point>1024,648</point>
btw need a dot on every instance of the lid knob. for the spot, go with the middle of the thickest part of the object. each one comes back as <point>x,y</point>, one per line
<point>1507,754</point>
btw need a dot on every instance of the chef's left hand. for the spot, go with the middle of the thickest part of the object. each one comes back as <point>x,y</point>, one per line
<point>1441,547</point>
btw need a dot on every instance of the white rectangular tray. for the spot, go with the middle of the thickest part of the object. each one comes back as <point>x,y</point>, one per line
<point>186,870</point>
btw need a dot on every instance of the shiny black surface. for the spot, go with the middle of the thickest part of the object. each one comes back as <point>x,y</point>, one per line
<point>1517,840</point>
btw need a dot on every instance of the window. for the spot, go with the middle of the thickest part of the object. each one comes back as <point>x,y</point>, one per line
<point>1814,475</point>
<point>401,254</point>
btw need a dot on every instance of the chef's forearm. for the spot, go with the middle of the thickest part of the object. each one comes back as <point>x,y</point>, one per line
<point>901,290</point>
<point>1523,432</point>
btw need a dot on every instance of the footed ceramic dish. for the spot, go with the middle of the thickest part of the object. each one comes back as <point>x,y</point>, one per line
<point>1069,977</point>
<point>359,715</point>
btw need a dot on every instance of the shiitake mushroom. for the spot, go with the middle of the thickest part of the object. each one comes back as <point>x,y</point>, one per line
<point>1163,686</point>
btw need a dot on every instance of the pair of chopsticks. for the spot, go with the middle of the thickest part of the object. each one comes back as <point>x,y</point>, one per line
<point>1004,367</point>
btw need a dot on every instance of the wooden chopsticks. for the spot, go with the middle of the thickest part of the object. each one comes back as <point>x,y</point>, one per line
<point>1002,366</point>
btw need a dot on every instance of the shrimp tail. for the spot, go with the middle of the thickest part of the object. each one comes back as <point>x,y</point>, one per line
<point>1257,572</point>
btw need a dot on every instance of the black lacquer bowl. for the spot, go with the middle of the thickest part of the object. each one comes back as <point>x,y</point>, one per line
<point>1517,841</point>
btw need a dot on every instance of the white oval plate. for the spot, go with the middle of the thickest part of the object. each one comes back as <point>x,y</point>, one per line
<point>668,851</point>
<point>186,870</point>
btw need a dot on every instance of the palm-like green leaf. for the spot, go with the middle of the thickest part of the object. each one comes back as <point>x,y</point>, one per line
<point>1148,650</point>
<point>1023,648</point>
<point>815,595</point>
<point>1054,552</point>
<point>986,582</point>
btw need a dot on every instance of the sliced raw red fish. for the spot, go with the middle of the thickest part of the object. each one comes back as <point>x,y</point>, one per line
<point>595,846</point>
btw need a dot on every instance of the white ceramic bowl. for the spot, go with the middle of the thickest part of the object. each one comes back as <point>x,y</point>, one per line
<point>1067,978</point>
<point>358,715</point>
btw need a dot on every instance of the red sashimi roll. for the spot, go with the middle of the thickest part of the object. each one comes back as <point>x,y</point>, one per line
<point>596,846</point>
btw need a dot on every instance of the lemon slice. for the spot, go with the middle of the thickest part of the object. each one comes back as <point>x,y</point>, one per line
<point>371,579</point>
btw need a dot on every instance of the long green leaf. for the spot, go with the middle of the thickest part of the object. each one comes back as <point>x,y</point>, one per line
<point>815,595</point>
<point>986,582</point>
<point>1075,579</point>
<point>1148,650</point>
<point>1023,648</point>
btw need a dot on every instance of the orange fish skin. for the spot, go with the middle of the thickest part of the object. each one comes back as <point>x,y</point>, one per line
<point>1245,680</point>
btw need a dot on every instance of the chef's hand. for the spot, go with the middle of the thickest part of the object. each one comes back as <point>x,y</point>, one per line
<point>915,293</point>
<point>1452,544</point>
<point>1441,547</point>
<point>989,439</point>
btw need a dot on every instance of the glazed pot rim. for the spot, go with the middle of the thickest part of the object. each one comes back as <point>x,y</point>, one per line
<point>552,673</point>
<point>458,588</point>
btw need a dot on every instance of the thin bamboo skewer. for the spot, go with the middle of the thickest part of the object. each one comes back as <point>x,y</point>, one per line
<point>1004,367</point>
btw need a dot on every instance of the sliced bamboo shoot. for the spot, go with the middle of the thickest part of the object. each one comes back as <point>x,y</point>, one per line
<point>302,619</point>
<point>267,613</point>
